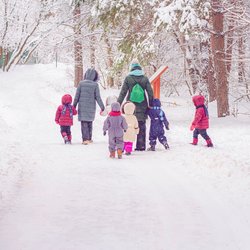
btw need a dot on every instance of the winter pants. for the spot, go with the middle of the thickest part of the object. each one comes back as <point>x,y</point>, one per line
<point>202,132</point>
<point>65,131</point>
<point>141,137</point>
<point>86,128</point>
<point>128,146</point>
<point>115,143</point>
<point>157,132</point>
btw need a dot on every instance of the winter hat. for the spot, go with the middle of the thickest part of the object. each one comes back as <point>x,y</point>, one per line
<point>115,106</point>
<point>134,65</point>
<point>67,99</point>
<point>156,102</point>
<point>128,108</point>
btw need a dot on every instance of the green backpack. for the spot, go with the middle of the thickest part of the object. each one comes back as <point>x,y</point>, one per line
<point>137,94</point>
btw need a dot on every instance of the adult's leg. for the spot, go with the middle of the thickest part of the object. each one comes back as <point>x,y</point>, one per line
<point>85,130</point>
<point>90,125</point>
<point>141,137</point>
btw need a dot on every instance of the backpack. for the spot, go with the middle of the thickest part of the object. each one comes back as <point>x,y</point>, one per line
<point>137,94</point>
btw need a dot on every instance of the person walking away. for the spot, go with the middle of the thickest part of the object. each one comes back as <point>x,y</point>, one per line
<point>200,123</point>
<point>158,121</point>
<point>115,124</point>
<point>64,117</point>
<point>87,94</point>
<point>129,137</point>
<point>135,86</point>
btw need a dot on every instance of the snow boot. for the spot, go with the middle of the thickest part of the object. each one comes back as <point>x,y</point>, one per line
<point>119,153</point>
<point>86,142</point>
<point>112,154</point>
<point>151,148</point>
<point>127,153</point>
<point>66,140</point>
<point>195,141</point>
<point>209,143</point>
<point>166,146</point>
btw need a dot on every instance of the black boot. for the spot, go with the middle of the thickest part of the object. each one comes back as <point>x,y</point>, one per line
<point>166,146</point>
<point>151,148</point>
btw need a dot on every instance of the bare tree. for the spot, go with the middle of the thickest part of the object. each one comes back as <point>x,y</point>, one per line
<point>219,59</point>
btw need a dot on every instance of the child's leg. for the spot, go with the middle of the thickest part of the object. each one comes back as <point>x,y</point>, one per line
<point>119,145</point>
<point>112,146</point>
<point>69,133</point>
<point>163,139</point>
<point>195,136</point>
<point>204,134</point>
<point>64,133</point>
<point>152,139</point>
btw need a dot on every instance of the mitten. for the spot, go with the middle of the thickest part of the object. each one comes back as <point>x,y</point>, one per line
<point>104,133</point>
<point>167,127</point>
<point>192,127</point>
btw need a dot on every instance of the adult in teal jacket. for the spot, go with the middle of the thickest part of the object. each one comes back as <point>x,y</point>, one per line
<point>136,75</point>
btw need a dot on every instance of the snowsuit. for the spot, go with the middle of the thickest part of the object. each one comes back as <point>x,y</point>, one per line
<point>200,123</point>
<point>158,121</point>
<point>115,124</point>
<point>130,135</point>
<point>136,75</point>
<point>64,117</point>
<point>87,94</point>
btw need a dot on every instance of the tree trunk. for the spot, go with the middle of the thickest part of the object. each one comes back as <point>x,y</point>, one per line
<point>92,51</point>
<point>211,73</point>
<point>219,60</point>
<point>77,45</point>
<point>193,72</point>
<point>110,62</point>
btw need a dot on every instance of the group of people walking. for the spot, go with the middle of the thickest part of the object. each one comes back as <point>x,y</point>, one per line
<point>125,123</point>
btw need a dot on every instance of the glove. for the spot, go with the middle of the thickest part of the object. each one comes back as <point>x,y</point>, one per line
<point>167,127</point>
<point>125,131</point>
<point>192,127</point>
<point>104,133</point>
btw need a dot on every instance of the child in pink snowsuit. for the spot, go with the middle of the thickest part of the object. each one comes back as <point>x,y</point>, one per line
<point>200,123</point>
<point>64,117</point>
<point>133,128</point>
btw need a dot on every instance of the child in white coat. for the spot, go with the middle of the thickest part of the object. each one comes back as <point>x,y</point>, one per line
<point>133,129</point>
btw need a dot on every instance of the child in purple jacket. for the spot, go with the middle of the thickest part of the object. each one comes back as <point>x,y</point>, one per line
<point>115,124</point>
<point>158,121</point>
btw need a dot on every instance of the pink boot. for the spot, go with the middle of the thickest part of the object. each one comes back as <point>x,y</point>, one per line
<point>195,141</point>
<point>209,143</point>
<point>128,147</point>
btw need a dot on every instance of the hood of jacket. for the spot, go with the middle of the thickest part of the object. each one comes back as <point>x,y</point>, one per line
<point>129,108</point>
<point>156,102</point>
<point>198,100</point>
<point>115,106</point>
<point>67,99</point>
<point>91,74</point>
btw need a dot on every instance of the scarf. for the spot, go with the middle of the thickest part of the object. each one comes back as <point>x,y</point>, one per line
<point>114,113</point>
<point>205,109</point>
<point>65,106</point>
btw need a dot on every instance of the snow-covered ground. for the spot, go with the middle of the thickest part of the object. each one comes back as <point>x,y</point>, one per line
<point>73,197</point>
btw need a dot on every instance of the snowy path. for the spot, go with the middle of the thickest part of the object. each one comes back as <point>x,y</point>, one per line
<point>74,197</point>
